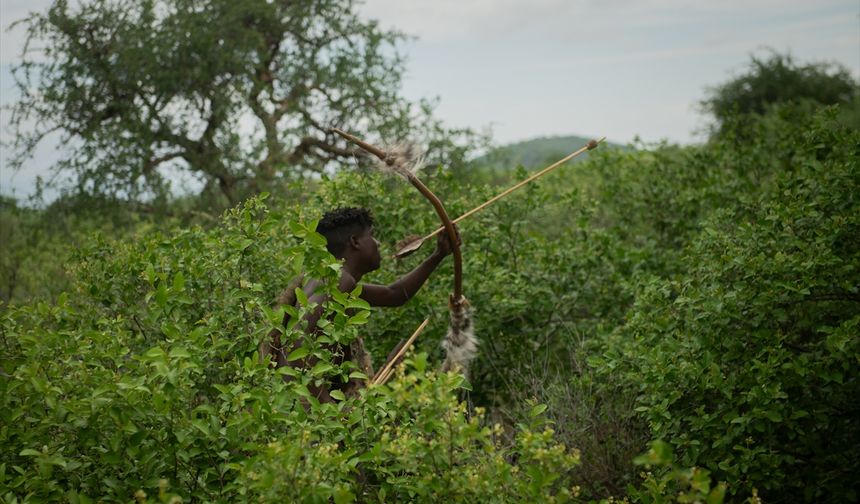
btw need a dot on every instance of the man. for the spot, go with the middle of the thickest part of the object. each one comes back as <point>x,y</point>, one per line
<point>349,237</point>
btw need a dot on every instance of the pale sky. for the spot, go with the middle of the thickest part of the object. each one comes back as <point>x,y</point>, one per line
<point>529,68</point>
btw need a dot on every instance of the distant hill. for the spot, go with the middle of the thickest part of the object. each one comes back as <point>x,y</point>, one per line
<point>537,152</point>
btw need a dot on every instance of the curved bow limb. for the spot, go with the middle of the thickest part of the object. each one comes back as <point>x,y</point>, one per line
<point>457,297</point>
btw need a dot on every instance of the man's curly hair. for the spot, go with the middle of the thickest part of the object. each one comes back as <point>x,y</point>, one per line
<point>339,224</point>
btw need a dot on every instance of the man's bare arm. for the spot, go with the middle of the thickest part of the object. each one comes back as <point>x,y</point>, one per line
<point>405,287</point>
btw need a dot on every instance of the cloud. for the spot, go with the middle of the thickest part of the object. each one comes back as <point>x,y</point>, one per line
<point>453,20</point>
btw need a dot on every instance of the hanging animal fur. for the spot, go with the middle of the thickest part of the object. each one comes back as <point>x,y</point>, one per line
<point>460,343</point>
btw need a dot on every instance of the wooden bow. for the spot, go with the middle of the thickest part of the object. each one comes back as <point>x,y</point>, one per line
<point>396,164</point>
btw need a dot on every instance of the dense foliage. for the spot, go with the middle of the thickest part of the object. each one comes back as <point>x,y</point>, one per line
<point>747,360</point>
<point>36,241</point>
<point>778,79</point>
<point>703,297</point>
<point>144,380</point>
<point>735,262</point>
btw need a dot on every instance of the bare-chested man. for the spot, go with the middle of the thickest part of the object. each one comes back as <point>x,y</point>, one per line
<point>349,236</point>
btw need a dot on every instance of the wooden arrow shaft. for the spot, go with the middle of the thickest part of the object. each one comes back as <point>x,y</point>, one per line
<point>385,371</point>
<point>591,145</point>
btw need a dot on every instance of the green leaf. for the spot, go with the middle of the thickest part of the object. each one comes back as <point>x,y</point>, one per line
<point>339,297</point>
<point>302,297</point>
<point>316,239</point>
<point>343,496</point>
<point>358,303</point>
<point>298,353</point>
<point>359,318</point>
<point>161,295</point>
<point>337,394</point>
<point>465,385</point>
<point>321,368</point>
<point>297,229</point>
<point>180,352</point>
<point>154,353</point>
<point>179,282</point>
<point>201,425</point>
<point>537,410</point>
<point>717,495</point>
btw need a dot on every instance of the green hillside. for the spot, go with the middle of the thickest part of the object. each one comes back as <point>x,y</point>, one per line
<point>536,152</point>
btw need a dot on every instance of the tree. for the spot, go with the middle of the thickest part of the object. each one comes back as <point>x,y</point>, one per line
<point>779,79</point>
<point>237,94</point>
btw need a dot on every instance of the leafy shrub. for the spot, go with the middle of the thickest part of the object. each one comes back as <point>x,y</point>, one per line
<point>414,441</point>
<point>703,295</point>
<point>144,381</point>
<point>747,364</point>
<point>673,484</point>
<point>541,294</point>
<point>778,79</point>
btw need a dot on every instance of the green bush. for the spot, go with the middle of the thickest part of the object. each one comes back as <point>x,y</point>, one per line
<point>414,441</point>
<point>779,79</point>
<point>542,291</point>
<point>144,380</point>
<point>673,484</point>
<point>704,295</point>
<point>747,363</point>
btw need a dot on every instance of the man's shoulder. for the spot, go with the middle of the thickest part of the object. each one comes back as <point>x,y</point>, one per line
<point>313,286</point>
<point>347,282</point>
<point>288,295</point>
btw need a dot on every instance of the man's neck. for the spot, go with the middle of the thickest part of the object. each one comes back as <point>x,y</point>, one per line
<point>352,269</point>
